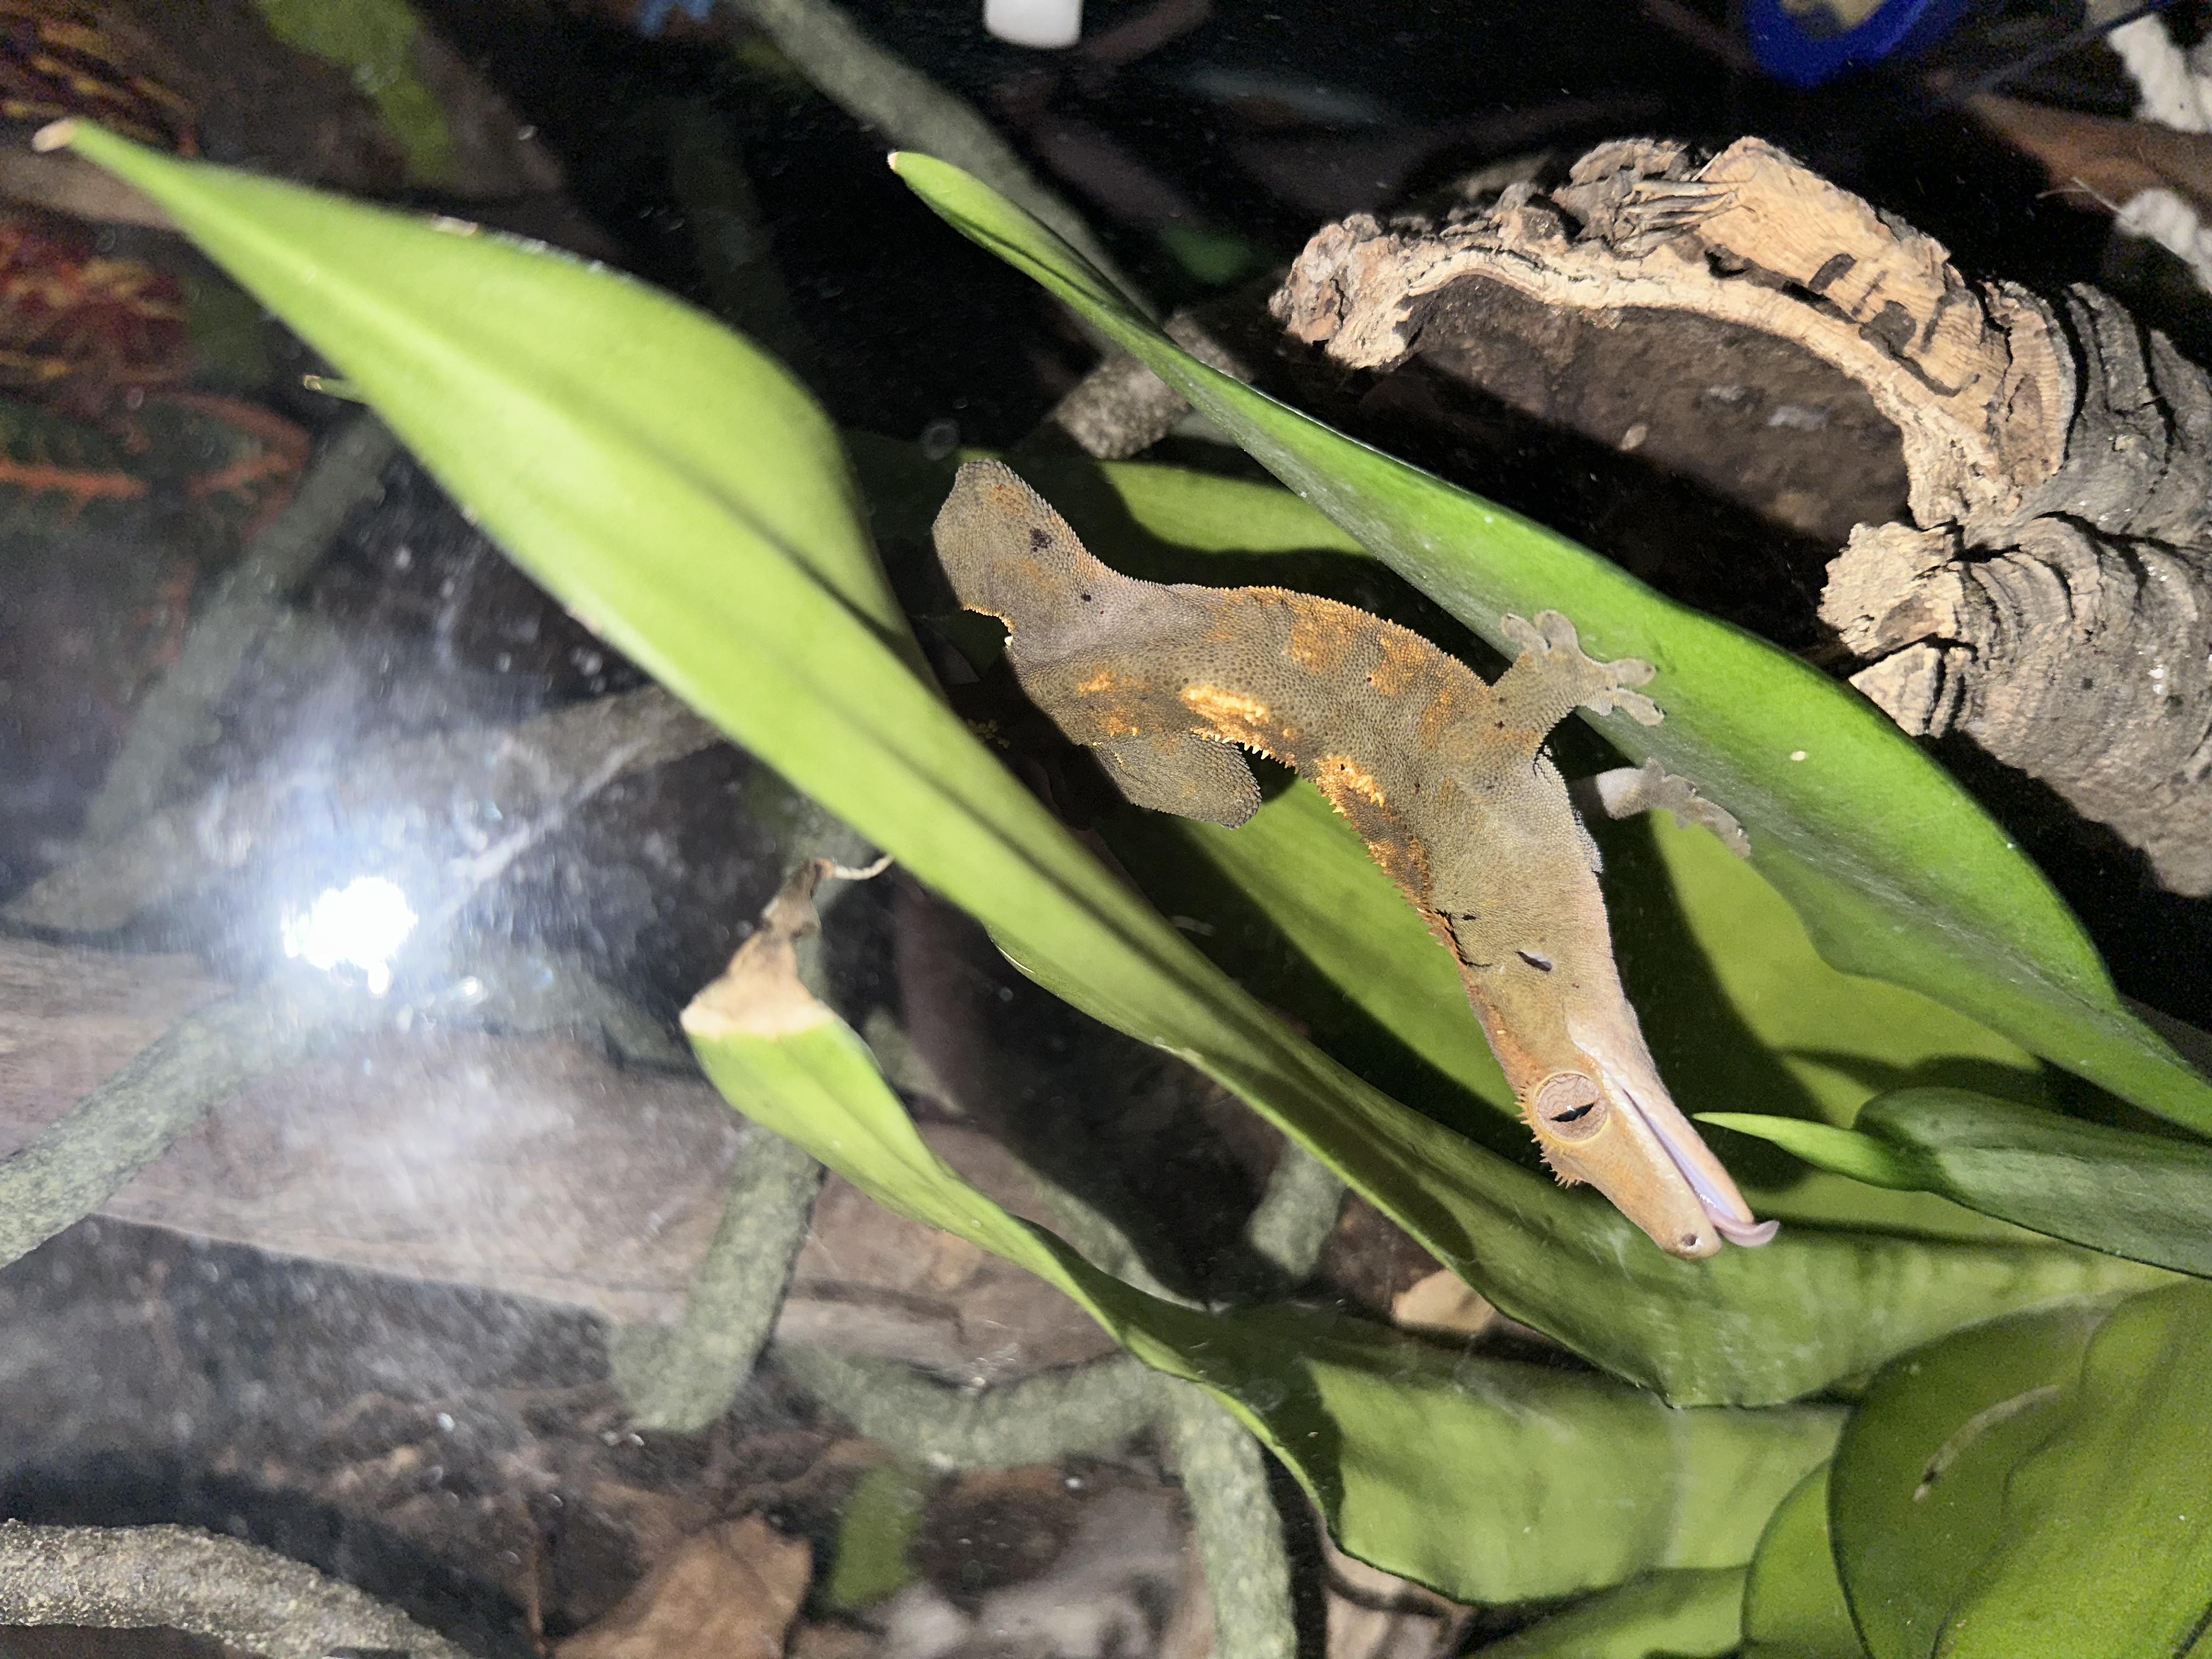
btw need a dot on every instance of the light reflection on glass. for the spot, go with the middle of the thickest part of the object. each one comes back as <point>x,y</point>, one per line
<point>360,924</point>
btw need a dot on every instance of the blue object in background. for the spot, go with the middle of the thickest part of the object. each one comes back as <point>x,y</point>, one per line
<point>1807,44</point>
<point>652,16</point>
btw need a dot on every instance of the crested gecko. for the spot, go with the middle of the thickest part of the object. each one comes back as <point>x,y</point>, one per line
<point>1443,775</point>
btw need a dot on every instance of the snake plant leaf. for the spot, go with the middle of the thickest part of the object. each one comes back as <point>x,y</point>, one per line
<point>1390,1436</point>
<point>1793,1602</point>
<point>2106,1541</point>
<point>2145,1197</point>
<point>677,490</point>
<point>1665,1615</point>
<point>2036,1486</point>
<point>1896,870</point>
<point>1916,1493</point>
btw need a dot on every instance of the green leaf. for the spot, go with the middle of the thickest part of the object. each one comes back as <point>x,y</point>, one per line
<point>1916,1495</point>
<point>678,491</point>
<point>2037,1486</point>
<point>2105,1529</point>
<point>1666,1613</point>
<point>1845,1151</point>
<point>1392,1437</point>
<point>2144,1197</point>
<point>373,42</point>
<point>1793,1602</point>
<point>1897,872</point>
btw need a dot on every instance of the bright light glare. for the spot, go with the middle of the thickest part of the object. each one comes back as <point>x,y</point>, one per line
<point>362,924</point>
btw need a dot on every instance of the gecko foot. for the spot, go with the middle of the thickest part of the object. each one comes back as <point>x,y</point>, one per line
<point>1551,649</point>
<point>1628,790</point>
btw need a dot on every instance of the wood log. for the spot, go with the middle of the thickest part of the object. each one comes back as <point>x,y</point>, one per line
<point>2049,593</point>
<point>531,1165</point>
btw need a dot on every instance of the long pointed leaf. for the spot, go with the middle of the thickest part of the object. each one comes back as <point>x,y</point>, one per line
<point>2144,1197</point>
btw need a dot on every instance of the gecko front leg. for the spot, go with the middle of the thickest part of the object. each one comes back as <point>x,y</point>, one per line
<point>1553,676</point>
<point>1553,672</point>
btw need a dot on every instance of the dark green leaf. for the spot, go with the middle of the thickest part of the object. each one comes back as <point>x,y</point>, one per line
<point>1478,1476</point>
<point>1793,1602</point>
<point>1916,1493</point>
<point>2145,1197</point>
<point>2105,1531</point>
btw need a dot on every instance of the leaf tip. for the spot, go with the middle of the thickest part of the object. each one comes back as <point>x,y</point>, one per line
<point>55,135</point>
<point>759,996</point>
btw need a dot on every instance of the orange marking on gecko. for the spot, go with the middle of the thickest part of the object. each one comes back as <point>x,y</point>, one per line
<point>1336,774</point>
<point>1440,713</point>
<point>1319,638</point>
<point>1223,707</point>
<point>1402,658</point>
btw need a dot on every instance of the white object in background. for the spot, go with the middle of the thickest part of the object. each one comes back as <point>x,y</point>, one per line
<point>1042,23</point>
<point>2161,216</point>
<point>2173,96</point>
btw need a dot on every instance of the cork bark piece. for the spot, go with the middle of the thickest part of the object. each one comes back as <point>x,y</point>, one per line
<point>2048,589</point>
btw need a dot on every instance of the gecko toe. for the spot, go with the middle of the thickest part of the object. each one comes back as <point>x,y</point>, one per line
<point>1722,821</point>
<point>1628,671</point>
<point>1634,704</point>
<point>1559,632</point>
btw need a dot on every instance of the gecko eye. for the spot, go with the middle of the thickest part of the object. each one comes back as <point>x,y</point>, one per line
<point>1570,1106</point>
<point>1541,964</point>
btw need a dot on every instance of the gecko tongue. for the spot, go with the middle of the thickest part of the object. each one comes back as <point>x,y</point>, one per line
<point>1737,1232</point>
<point>1723,1206</point>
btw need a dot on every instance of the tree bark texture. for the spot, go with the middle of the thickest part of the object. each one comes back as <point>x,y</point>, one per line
<point>2048,589</point>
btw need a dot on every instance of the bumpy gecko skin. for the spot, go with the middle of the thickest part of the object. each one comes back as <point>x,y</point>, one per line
<point>1443,776</point>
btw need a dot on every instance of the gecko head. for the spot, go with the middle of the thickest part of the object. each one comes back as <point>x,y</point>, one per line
<point>1610,1121</point>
